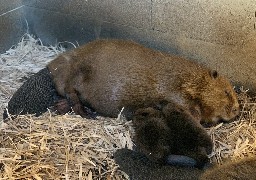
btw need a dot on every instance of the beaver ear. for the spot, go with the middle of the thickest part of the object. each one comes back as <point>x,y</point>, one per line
<point>214,74</point>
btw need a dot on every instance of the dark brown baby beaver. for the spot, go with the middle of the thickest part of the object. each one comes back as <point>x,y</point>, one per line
<point>140,168</point>
<point>244,169</point>
<point>107,75</point>
<point>171,131</point>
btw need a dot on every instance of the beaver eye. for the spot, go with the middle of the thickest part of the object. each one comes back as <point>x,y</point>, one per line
<point>145,114</point>
<point>235,110</point>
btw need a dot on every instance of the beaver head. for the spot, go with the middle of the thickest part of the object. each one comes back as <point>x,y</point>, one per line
<point>215,96</point>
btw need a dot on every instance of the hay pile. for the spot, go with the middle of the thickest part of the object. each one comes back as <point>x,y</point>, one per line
<point>21,61</point>
<point>69,147</point>
<point>53,147</point>
<point>237,139</point>
<point>62,147</point>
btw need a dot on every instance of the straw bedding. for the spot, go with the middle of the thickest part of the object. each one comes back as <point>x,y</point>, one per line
<point>70,147</point>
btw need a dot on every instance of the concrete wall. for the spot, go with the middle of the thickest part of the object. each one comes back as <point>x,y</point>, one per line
<point>12,23</point>
<point>220,34</point>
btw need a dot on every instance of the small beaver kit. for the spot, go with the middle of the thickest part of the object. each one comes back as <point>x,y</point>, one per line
<point>159,134</point>
<point>106,75</point>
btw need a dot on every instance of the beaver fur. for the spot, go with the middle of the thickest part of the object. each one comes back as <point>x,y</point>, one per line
<point>110,74</point>
<point>244,169</point>
<point>171,131</point>
<point>138,167</point>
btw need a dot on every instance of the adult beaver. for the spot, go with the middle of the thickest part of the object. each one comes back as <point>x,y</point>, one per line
<point>107,75</point>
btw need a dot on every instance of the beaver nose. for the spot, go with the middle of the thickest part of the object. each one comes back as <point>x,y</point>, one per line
<point>235,110</point>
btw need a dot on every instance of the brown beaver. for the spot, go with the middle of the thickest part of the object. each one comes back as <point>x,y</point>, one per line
<point>138,167</point>
<point>244,169</point>
<point>163,134</point>
<point>107,75</point>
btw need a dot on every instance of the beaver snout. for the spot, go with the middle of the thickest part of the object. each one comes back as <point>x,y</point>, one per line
<point>229,114</point>
<point>236,110</point>
<point>232,116</point>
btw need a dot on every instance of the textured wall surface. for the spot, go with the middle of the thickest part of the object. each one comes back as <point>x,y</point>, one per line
<point>11,23</point>
<point>219,34</point>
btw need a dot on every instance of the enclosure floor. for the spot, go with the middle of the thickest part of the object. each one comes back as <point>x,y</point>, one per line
<point>234,140</point>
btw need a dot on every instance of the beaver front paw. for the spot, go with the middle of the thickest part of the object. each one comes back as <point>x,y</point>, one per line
<point>83,111</point>
<point>61,106</point>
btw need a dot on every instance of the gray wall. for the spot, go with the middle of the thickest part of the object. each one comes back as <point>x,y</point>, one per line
<point>220,34</point>
<point>12,23</point>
